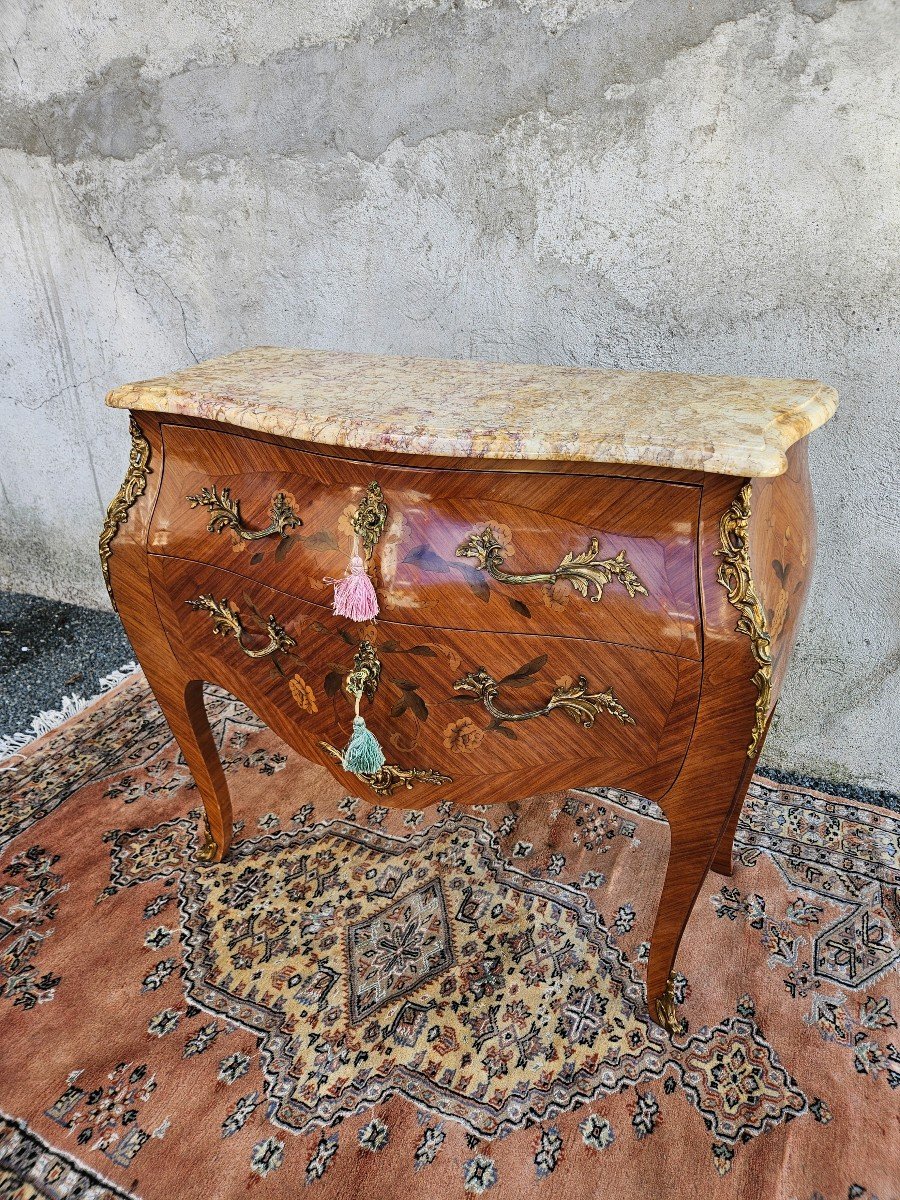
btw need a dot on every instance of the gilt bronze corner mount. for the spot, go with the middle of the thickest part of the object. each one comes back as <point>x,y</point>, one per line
<point>735,576</point>
<point>133,485</point>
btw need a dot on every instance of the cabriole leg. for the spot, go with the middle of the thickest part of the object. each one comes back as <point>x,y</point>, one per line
<point>689,858</point>
<point>723,859</point>
<point>184,710</point>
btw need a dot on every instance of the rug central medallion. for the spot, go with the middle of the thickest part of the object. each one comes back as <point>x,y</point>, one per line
<point>424,965</point>
<point>396,950</point>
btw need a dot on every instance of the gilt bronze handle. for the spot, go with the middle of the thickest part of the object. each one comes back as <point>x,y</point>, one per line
<point>225,513</point>
<point>575,700</point>
<point>226,621</point>
<point>587,572</point>
<point>388,778</point>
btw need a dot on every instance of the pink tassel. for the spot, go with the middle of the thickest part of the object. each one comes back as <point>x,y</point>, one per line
<point>354,595</point>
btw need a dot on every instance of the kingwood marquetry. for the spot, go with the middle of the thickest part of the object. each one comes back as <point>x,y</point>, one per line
<point>545,623</point>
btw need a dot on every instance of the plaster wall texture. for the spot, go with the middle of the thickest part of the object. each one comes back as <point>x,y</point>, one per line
<point>707,187</point>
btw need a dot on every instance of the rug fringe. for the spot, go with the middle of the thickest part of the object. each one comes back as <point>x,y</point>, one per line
<point>51,718</point>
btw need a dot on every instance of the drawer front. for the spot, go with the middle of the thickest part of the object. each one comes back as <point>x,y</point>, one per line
<point>519,552</point>
<point>539,713</point>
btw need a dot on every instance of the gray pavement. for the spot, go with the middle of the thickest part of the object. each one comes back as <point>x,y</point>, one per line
<point>49,650</point>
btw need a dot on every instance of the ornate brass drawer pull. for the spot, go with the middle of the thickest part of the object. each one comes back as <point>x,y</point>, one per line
<point>225,513</point>
<point>575,701</point>
<point>390,777</point>
<point>369,519</point>
<point>585,571</point>
<point>226,620</point>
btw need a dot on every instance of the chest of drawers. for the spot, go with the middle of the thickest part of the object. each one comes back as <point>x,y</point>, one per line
<point>585,578</point>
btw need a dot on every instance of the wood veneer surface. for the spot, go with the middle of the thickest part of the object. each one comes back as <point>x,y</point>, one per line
<point>697,714</point>
<point>417,715</point>
<point>420,578</point>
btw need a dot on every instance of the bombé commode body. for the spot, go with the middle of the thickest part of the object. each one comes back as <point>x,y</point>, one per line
<point>585,578</point>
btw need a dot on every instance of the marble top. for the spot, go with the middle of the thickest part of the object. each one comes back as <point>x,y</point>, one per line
<point>464,409</point>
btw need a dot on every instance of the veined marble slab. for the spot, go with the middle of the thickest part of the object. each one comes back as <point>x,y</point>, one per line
<point>464,409</point>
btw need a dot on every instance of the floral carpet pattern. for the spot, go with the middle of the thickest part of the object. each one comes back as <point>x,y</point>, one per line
<point>371,1002</point>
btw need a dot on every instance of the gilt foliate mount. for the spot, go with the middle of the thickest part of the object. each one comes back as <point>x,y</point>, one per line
<point>133,485</point>
<point>365,677</point>
<point>370,518</point>
<point>587,571</point>
<point>735,576</point>
<point>226,622</point>
<point>225,513</point>
<point>573,698</point>
<point>388,778</point>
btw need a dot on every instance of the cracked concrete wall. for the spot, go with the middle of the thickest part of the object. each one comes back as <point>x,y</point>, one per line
<point>707,187</point>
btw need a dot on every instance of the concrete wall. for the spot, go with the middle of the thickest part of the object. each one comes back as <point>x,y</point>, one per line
<point>707,187</point>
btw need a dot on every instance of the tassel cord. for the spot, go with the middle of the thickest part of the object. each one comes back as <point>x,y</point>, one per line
<point>363,755</point>
<point>354,594</point>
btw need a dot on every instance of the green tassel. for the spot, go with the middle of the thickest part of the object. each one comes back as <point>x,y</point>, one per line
<point>363,755</point>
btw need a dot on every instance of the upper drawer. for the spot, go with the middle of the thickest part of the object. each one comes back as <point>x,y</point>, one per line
<point>592,556</point>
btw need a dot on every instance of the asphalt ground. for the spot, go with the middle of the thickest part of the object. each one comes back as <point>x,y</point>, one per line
<point>49,650</point>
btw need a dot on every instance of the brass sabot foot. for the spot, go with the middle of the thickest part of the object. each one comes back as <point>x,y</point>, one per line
<point>209,850</point>
<point>665,1010</point>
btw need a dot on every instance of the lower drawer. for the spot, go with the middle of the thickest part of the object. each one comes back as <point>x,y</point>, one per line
<point>457,713</point>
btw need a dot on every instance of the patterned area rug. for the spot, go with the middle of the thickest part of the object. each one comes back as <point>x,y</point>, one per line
<point>371,1003</point>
